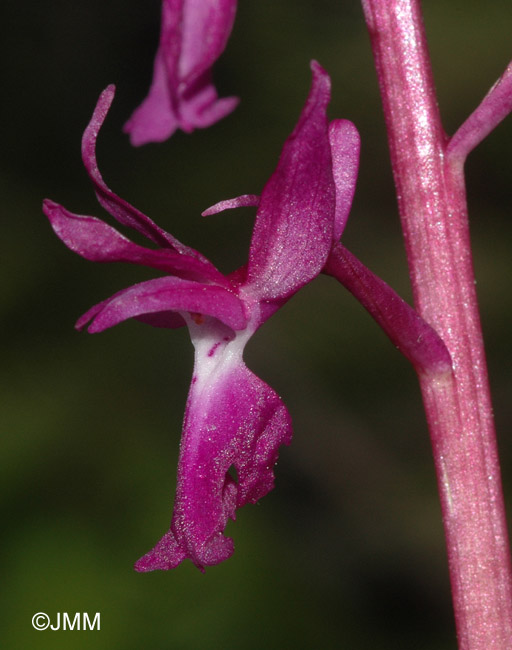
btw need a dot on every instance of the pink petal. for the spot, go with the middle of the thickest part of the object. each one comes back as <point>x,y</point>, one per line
<point>166,294</point>
<point>233,419</point>
<point>201,107</point>
<point>155,119</point>
<point>206,27</point>
<point>246,200</point>
<point>345,145</point>
<point>294,224</point>
<point>98,242</point>
<point>164,319</point>
<point>117,207</point>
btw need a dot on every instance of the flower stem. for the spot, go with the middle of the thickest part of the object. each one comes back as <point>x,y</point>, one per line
<point>432,203</point>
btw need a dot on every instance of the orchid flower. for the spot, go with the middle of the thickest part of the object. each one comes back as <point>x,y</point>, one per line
<point>233,419</point>
<point>182,96</point>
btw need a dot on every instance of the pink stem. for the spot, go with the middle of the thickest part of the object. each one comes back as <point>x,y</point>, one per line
<point>432,203</point>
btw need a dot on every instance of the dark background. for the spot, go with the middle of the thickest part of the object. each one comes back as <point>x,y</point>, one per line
<point>347,552</point>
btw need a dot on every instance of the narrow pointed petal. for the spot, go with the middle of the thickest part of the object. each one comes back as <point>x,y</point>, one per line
<point>412,335</point>
<point>120,209</point>
<point>98,242</point>
<point>345,145</point>
<point>163,319</point>
<point>246,200</point>
<point>193,35</point>
<point>294,223</point>
<point>233,419</point>
<point>166,294</point>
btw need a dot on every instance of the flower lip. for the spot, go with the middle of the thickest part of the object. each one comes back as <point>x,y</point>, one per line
<point>233,419</point>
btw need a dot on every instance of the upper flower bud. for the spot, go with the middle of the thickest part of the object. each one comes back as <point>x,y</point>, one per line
<point>182,96</point>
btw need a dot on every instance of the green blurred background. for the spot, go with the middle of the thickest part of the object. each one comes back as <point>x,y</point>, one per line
<point>347,552</point>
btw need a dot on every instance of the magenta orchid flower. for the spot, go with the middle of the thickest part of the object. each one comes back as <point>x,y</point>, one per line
<point>233,419</point>
<point>182,96</point>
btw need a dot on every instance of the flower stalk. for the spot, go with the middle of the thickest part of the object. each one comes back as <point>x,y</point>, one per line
<point>430,188</point>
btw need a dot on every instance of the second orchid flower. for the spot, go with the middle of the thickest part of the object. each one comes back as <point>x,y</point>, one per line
<point>193,34</point>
